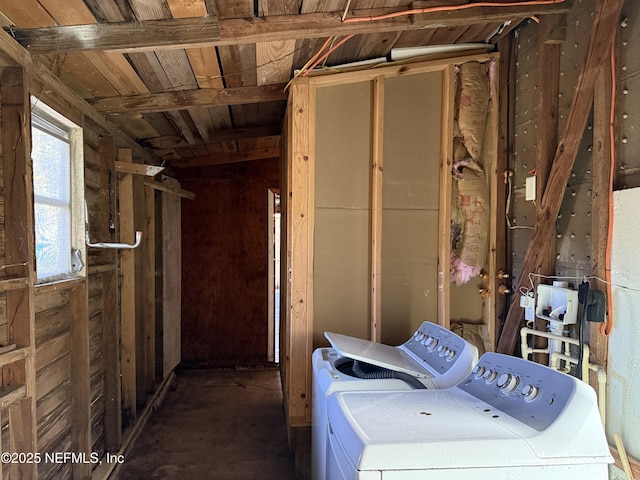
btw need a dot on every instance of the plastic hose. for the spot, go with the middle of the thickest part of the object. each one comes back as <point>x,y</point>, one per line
<point>410,380</point>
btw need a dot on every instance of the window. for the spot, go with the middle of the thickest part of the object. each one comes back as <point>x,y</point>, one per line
<point>55,149</point>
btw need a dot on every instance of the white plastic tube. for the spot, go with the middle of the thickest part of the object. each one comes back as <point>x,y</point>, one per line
<point>555,356</point>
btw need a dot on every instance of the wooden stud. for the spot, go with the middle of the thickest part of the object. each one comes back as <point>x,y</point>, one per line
<point>546,144</point>
<point>110,317</point>
<point>149,329</point>
<point>80,380</point>
<point>377,161</point>
<point>128,293</point>
<point>301,194</point>
<point>171,280</point>
<point>489,160</point>
<point>444,202</point>
<point>19,250</point>
<point>506,97</point>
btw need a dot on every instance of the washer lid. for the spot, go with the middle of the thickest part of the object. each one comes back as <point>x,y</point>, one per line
<point>379,354</point>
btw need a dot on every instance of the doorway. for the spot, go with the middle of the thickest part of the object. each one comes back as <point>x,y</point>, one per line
<point>273,269</point>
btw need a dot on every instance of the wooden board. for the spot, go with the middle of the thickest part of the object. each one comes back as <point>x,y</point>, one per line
<point>128,293</point>
<point>172,281</point>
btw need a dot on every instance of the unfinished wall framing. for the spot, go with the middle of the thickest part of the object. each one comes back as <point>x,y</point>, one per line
<point>368,155</point>
<point>60,342</point>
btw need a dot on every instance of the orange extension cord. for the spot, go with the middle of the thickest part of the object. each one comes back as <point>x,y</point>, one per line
<point>605,328</point>
<point>465,6</point>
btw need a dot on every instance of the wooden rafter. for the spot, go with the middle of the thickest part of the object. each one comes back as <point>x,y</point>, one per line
<point>183,99</point>
<point>230,157</point>
<point>602,34</point>
<point>168,142</point>
<point>178,33</point>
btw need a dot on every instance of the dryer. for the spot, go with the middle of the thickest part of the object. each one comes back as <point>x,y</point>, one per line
<point>433,357</point>
<point>509,419</point>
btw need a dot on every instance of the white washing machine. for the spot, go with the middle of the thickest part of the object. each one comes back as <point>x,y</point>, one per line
<point>433,357</point>
<point>509,419</point>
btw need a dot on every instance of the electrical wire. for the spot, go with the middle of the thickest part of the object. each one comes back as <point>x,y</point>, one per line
<point>325,55</point>
<point>449,8</point>
<point>605,328</point>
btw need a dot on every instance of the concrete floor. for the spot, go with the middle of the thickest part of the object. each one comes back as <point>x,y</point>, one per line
<point>215,424</point>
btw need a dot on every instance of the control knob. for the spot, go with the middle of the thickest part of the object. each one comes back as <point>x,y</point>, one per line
<point>530,392</point>
<point>431,344</point>
<point>490,376</point>
<point>451,354</point>
<point>507,383</point>
<point>442,350</point>
<point>478,371</point>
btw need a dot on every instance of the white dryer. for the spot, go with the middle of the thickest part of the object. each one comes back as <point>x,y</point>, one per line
<point>509,419</point>
<point>433,357</point>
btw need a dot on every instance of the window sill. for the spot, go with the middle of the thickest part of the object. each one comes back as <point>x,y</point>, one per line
<point>59,285</point>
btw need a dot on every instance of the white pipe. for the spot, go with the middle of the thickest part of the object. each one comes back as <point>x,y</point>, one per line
<point>586,365</point>
<point>115,245</point>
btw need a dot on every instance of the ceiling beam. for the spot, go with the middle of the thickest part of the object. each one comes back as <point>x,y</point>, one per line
<point>121,36</point>
<point>178,33</point>
<point>169,142</point>
<point>230,157</point>
<point>183,99</point>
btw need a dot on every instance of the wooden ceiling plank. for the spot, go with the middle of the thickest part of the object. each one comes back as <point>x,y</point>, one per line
<point>202,121</point>
<point>180,100</point>
<point>111,10</point>
<point>274,61</point>
<point>27,14</point>
<point>235,8</point>
<point>605,23</point>
<point>205,67</point>
<point>181,33</point>
<point>92,84</point>
<point>379,45</point>
<point>231,157</point>
<point>118,72</point>
<point>182,126</point>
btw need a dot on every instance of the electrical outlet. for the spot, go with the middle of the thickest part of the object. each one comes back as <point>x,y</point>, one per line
<point>530,189</point>
<point>528,304</point>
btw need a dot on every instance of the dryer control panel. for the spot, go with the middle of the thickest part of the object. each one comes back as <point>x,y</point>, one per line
<point>527,391</point>
<point>438,347</point>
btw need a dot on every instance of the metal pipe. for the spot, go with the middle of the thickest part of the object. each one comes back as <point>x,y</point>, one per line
<point>106,244</point>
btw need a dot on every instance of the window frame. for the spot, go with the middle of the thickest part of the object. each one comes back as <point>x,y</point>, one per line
<point>51,123</point>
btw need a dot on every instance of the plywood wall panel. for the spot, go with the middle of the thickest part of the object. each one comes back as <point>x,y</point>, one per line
<point>224,263</point>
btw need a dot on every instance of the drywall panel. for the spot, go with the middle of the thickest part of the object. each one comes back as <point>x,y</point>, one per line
<point>342,211</point>
<point>410,197</point>
<point>412,131</point>
<point>343,146</point>
<point>341,271</point>
<point>409,266</point>
<point>623,382</point>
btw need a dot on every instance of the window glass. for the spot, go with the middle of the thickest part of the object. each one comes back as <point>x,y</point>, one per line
<point>51,155</point>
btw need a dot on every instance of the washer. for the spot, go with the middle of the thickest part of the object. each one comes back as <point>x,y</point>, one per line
<point>509,419</point>
<point>433,357</point>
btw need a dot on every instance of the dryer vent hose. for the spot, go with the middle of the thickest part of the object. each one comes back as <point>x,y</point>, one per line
<point>412,381</point>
